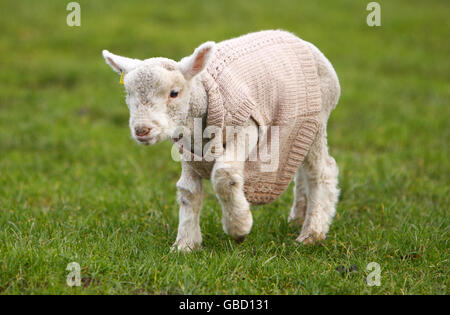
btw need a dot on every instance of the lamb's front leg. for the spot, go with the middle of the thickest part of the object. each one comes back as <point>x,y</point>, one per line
<point>228,181</point>
<point>190,200</point>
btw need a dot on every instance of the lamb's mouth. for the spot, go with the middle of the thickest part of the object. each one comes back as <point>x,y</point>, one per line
<point>146,140</point>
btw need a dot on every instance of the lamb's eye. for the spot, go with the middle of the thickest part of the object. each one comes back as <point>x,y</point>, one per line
<point>173,93</point>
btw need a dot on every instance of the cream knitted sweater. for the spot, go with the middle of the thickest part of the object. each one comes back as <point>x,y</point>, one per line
<point>270,76</point>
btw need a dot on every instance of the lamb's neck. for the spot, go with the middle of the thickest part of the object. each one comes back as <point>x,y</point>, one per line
<point>198,104</point>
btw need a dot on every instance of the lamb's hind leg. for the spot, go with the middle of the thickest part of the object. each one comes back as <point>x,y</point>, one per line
<point>298,210</point>
<point>322,176</point>
<point>320,168</point>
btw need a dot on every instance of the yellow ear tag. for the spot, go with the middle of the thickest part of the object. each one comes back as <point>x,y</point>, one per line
<point>121,77</point>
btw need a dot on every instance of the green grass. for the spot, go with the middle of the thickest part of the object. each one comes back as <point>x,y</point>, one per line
<point>74,187</point>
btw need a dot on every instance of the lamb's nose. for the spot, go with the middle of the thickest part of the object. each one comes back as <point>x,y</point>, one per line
<point>142,131</point>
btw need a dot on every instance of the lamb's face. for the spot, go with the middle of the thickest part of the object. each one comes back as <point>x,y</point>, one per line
<point>158,91</point>
<point>158,100</point>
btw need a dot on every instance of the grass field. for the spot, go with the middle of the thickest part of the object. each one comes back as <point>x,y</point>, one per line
<point>75,187</point>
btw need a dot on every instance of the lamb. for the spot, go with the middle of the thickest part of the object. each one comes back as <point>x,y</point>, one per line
<point>267,78</point>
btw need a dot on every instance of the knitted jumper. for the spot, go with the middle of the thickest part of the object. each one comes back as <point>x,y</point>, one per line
<point>270,76</point>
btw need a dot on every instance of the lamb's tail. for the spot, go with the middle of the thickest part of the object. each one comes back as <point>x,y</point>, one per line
<point>329,81</point>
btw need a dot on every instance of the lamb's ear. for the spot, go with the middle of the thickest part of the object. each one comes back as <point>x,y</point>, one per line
<point>194,64</point>
<point>120,64</point>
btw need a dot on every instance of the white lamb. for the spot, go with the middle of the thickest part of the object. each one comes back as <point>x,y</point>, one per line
<point>164,95</point>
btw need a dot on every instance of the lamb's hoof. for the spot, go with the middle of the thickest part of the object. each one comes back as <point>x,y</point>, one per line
<point>310,238</point>
<point>239,239</point>
<point>184,247</point>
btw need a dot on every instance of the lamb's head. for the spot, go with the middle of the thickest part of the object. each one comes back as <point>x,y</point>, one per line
<point>158,91</point>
